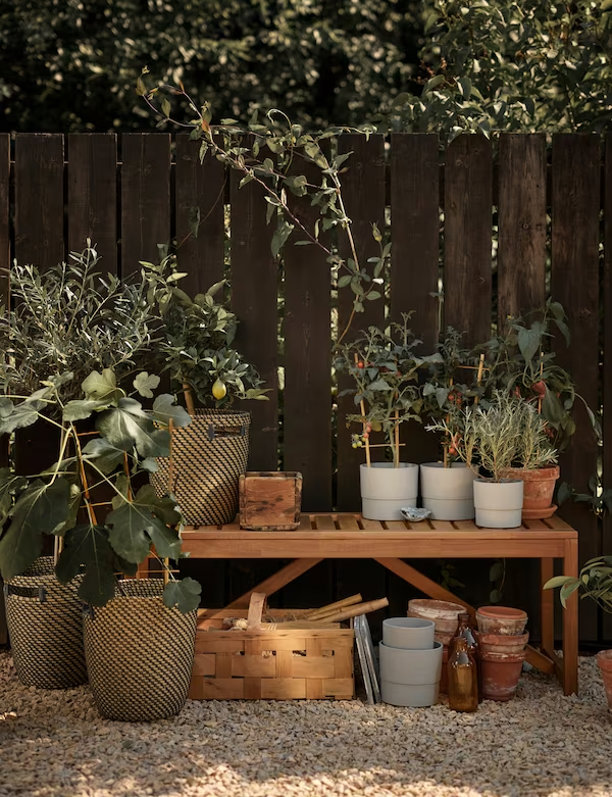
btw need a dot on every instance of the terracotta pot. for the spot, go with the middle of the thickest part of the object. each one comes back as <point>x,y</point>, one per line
<point>500,674</point>
<point>502,643</point>
<point>538,488</point>
<point>500,620</point>
<point>444,614</point>
<point>604,660</point>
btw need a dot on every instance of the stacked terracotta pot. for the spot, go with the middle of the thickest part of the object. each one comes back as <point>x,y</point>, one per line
<point>445,616</point>
<point>502,639</point>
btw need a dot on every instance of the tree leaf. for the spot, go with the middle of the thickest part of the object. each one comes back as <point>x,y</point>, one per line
<point>127,536</point>
<point>146,383</point>
<point>40,509</point>
<point>86,546</point>
<point>126,430</point>
<point>79,409</point>
<point>22,415</point>
<point>184,594</point>
<point>107,457</point>
<point>529,340</point>
<point>165,410</point>
<point>102,386</point>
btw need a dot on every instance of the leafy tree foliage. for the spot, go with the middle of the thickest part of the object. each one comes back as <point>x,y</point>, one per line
<point>512,65</point>
<point>73,64</point>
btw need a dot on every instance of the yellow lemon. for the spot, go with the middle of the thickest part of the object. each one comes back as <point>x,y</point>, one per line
<point>219,390</point>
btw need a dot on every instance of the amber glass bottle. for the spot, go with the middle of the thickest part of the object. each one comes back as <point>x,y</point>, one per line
<point>462,677</point>
<point>465,630</point>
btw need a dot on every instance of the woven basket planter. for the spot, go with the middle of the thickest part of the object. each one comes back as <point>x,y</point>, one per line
<point>139,653</point>
<point>45,628</point>
<point>207,459</point>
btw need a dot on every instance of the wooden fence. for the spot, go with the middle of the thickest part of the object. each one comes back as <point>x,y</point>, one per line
<point>544,208</point>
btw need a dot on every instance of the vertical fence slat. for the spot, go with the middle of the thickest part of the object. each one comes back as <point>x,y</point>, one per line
<point>607,362</point>
<point>363,187</point>
<point>39,198</point>
<point>575,283</point>
<point>5,257</point>
<point>200,188</point>
<point>468,187</point>
<point>364,191</point>
<point>145,198</point>
<point>415,256</point>
<point>254,300</point>
<point>307,362</point>
<point>522,224</point>
<point>92,195</point>
<point>521,285</point>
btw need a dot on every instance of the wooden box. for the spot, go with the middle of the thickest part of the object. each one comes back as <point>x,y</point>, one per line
<point>277,664</point>
<point>270,500</point>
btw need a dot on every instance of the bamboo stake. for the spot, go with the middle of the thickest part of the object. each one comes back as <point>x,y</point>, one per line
<point>479,374</point>
<point>356,609</point>
<point>397,442</point>
<point>446,445</point>
<point>541,372</point>
<point>329,607</point>
<point>367,439</point>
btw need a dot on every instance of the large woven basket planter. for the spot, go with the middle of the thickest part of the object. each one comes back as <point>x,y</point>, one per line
<point>139,653</point>
<point>207,459</point>
<point>45,628</point>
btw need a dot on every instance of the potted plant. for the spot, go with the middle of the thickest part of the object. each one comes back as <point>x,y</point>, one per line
<point>453,382</point>
<point>595,582</point>
<point>208,456</point>
<point>384,368</point>
<point>93,543</point>
<point>489,443</point>
<point>535,463</point>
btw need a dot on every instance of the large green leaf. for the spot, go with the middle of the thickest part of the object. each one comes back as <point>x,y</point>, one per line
<point>165,410</point>
<point>86,546</point>
<point>41,509</point>
<point>165,539</point>
<point>128,532</point>
<point>102,386</point>
<point>78,410</point>
<point>146,383</point>
<point>20,416</point>
<point>125,428</point>
<point>184,594</point>
<point>106,456</point>
<point>164,507</point>
<point>9,486</point>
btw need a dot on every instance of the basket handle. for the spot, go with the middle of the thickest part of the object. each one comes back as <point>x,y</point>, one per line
<point>223,431</point>
<point>25,592</point>
<point>256,607</point>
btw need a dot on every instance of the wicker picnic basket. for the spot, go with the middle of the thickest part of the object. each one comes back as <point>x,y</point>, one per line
<point>266,661</point>
<point>44,624</point>
<point>139,653</point>
<point>207,458</point>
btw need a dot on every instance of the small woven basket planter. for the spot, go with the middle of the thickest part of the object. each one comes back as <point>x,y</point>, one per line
<point>45,628</point>
<point>139,653</point>
<point>203,470</point>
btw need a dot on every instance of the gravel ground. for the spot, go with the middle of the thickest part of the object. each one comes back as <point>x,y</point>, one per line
<point>53,743</point>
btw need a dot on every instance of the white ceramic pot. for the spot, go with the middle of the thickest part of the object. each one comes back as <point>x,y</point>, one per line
<point>385,489</point>
<point>412,667</point>
<point>412,696</point>
<point>409,633</point>
<point>448,492</point>
<point>498,505</point>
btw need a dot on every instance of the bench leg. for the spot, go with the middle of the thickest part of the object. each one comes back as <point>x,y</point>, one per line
<point>570,622</point>
<point>547,612</point>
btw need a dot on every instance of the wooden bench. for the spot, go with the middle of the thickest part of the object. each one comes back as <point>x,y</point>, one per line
<point>348,535</point>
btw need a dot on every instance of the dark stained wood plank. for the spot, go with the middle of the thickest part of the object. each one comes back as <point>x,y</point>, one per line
<point>307,361</point>
<point>92,195</point>
<point>364,192</point>
<point>468,187</point>
<point>575,283</point>
<point>39,198</point>
<point>415,256</point>
<point>5,260</point>
<point>145,198</point>
<point>199,188</point>
<point>363,188</point>
<point>607,361</point>
<point>521,286</point>
<point>415,232</point>
<point>254,300</point>
<point>521,254</point>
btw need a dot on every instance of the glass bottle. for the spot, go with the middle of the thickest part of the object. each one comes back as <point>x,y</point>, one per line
<point>465,630</point>
<point>462,677</point>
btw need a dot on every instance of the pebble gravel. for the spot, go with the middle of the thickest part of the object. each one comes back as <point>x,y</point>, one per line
<point>54,744</point>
